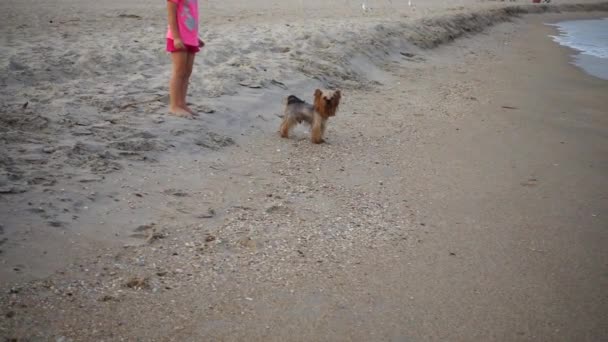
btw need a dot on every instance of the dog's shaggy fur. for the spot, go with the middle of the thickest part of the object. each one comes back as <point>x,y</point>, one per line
<point>325,105</point>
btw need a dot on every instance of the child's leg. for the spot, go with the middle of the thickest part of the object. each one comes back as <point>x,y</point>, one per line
<point>189,67</point>
<point>176,96</point>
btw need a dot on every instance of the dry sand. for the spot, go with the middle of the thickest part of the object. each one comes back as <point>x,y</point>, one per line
<point>461,195</point>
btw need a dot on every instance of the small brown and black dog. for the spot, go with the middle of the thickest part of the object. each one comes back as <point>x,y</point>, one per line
<point>325,105</point>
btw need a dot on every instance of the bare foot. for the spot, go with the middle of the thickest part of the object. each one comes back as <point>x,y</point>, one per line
<point>181,113</point>
<point>190,111</point>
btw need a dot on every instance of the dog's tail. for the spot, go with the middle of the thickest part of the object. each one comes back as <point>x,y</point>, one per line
<point>292,99</point>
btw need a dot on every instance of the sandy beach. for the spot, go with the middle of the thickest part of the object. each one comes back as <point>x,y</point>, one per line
<point>461,194</point>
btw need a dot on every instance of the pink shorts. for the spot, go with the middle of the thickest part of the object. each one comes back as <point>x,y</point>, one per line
<point>188,48</point>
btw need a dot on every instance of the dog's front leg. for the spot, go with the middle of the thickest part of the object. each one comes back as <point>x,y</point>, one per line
<point>323,126</point>
<point>318,127</point>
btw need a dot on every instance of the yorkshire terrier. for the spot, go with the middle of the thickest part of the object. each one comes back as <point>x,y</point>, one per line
<point>325,105</point>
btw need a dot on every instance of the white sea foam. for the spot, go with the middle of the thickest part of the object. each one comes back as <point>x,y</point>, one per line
<point>590,38</point>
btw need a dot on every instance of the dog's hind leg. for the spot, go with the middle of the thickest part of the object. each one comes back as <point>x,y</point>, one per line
<point>287,125</point>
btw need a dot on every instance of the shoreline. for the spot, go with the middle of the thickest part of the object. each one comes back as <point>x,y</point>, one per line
<point>578,58</point>
<point>570,52</point>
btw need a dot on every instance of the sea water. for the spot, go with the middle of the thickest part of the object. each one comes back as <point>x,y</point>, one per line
<point>590,39</point>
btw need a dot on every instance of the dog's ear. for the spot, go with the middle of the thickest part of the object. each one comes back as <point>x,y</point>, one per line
<point>338,95</point>
<point>335,100</point>
<point>318,93</point>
